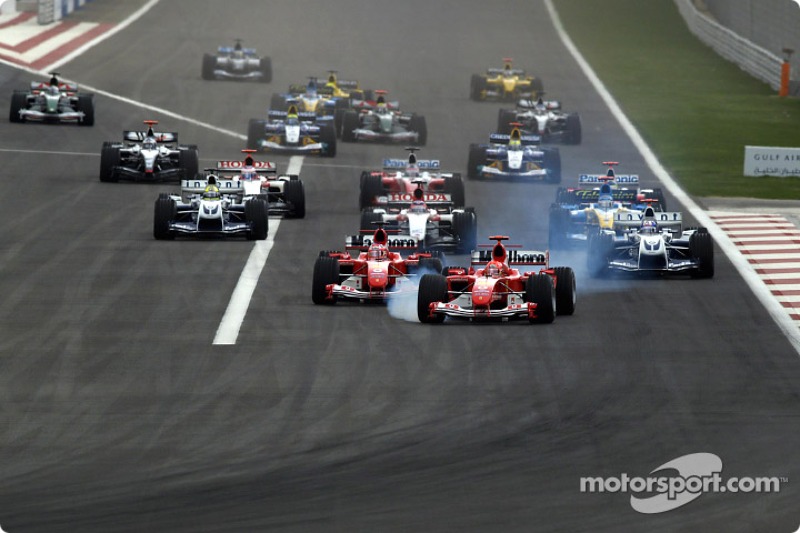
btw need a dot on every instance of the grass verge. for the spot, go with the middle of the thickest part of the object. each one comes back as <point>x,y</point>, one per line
<point>696,110</point>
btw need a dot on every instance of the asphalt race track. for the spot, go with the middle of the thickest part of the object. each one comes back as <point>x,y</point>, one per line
<point>118,414</point>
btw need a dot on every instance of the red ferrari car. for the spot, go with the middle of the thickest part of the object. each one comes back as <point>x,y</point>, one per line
<point>376,274</point>
<point>492,289</point>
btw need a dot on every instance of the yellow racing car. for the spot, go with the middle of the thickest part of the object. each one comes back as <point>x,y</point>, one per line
<point>507,84</point>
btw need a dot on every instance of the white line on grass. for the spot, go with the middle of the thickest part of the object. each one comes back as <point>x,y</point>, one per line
<point>231,323</point>
<point>752,279</point>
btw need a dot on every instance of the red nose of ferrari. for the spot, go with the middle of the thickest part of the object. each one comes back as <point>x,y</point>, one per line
<point>482,292</point>
<point>378,276</point>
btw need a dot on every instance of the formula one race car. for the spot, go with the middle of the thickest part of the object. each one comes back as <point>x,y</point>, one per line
<point>148,156</point>
<point>376,274</point>
<point>237,63</point>
<point>54,101</point>
<point>514,156</point>
<point>579,213</point>
<point>210,207</point>
<point>393,186</point>
<point>507,84</point>
<point>651,242</point>
<point>492,289</point>
<point>543,118</point>
<point>382,121</point>
<point>292,132</point>
<point>454,230</point>
<point>284,193</point>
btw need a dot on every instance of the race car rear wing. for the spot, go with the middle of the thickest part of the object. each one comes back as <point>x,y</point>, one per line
<point>530,103</point>
<point>514,71</point>
<point>302,115</point>
<point>261,167</point>
<point>196,186</point>
<point>231,49</point>
<point>395,243</point>
<point>159,136</point>
<point>590,196</point>
<point>604,178</point>
<point>405,198</point>
<point>401,164</point>
<point>515,257</point>
<point>671,220</point>
<point>503,138</point>
<point>37,86</point>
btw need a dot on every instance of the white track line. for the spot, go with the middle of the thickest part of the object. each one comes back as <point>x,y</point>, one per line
<point>100,38</point>
<point>228,330</point>
<point>773,307</point>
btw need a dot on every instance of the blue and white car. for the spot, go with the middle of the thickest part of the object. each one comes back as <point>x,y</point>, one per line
<point>514,156</point>
<point>292,132</point>
<point>237,63</point>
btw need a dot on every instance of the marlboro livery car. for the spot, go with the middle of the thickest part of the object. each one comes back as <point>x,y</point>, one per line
<point>651,242</point>
<point>376,274</point>
<point>506,84</point>
<point>393,186</point>
<point>237,63</point>
<point>54,101</point>
<point>292,132</point>
<point>514,156</point>
<point>284,193</point>
<point>454,230</point>
<point>148,156</point>
<point>492,289</point>
<point>210,207</point>
<point>543,118</point>
<point>383,122</point>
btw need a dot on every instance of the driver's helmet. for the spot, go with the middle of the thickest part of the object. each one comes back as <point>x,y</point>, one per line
<point>211,192</point>
<point>377,252</point>
<point>249,173</point>
<point>412,170</point>
<point>292,118</point>
<point>418,206</point>
<point>238,54</point>
<point>605,201</point>
<point>649,226</point>
<point>493,269</point>
<point>149,144</point>
<point>515,139</point>
<point>53,90</point>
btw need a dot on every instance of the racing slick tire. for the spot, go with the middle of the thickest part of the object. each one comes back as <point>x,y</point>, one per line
<point>432,288</point>
<point>454,186</point>
<point>477,157</point>
<point>109,158</point>
<point>465,227</point>
<point>417,124</point>
<point>255,131</point>
<point>566,294</point>
<point>565,196</point>
<point>189,161</point>
<point>539,289</point>
<point>350,123</point>
<point>504,119</point>
<point>428,265</point>
<point>573,127</point>
<point>209,62</point>
<point>340,107</point>
<point>600,247</point>
<point>368,217</point>
<point>477,85</point>
<point>277,102</point>
<point>327,135</point>
<point>701,247</point>
<point>164,213</point>
<point>326,272</point>
<point>256,212</point>
<point>19,101</point>
<point>552,162</point>
<point>265,66</point>
<point>294,193</point>
<point>86,105</point>
<point>371,186</point>
<point>537,86</point>
<point>557,227</point>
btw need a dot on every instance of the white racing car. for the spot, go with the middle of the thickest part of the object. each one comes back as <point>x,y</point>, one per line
<point>54,101</point>
<point>651,242</point>
<point>426,227</point>
<point>211,207</point>
<point>237,63</point>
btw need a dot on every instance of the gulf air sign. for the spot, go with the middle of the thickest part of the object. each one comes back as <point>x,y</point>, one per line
<point>771,161</point>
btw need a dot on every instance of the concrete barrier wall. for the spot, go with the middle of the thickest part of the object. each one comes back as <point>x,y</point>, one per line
<point>750,33</point>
